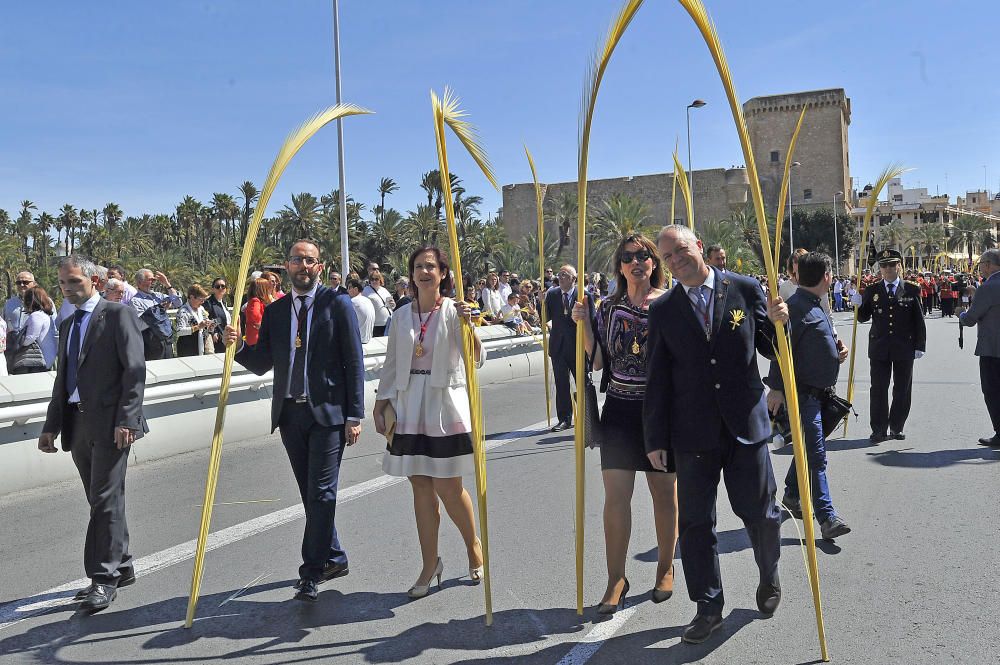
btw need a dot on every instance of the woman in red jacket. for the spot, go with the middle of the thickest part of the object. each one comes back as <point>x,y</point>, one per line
<point>261,295</point>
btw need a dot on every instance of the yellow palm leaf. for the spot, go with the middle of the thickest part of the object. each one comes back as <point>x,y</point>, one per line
<point>447,113</point>
<point>594,77</point>
<point>293,143</point>
<point>779,219</point>
<point>680,174</point>
<point>541,270</point>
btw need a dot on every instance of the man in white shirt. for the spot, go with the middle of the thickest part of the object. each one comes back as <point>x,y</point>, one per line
<point>504,284</point>
<point>118,272</point>
<point>364,308</point>
<point>13,310</point>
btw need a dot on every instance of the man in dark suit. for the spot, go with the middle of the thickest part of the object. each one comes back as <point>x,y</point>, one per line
<point>985,312</point>
<point>897,337</point>
<point>705,401</point>
<point>562,342</point>
<point>311,340</point>
<point>97,407</point>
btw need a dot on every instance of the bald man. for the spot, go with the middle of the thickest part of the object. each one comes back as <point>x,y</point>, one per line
<point>562,341</point>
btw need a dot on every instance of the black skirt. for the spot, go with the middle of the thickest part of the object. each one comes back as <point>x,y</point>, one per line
<point>623,446</point>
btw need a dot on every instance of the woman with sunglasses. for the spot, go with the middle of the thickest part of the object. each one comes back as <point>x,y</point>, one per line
<point>218,311</point>
<point>621,328</point>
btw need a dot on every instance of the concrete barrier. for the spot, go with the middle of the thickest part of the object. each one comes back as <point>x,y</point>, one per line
<point>180,402</point>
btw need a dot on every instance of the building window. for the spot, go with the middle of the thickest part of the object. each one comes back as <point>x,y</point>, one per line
<point>774,157</point>
<point>898,198</point>
<point>807,194</point>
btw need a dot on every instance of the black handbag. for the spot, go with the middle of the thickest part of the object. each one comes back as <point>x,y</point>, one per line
<point>833,411</point>
<point>27,357</point>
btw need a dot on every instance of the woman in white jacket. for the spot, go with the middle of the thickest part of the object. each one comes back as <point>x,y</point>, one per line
<point>423,382</point>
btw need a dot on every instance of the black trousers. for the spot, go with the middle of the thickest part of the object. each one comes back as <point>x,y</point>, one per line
<point>315,453</point>
<point>564,366</point>
<point>102,469</point>
<point>751,488</point>
<point>884,418</point>
<point>989,376</point>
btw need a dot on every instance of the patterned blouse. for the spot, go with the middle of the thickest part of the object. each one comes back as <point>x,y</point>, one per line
<point>623,329</point>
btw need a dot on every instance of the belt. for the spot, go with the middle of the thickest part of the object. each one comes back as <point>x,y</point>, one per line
<point>301,399</point>
<point>420,371</point>
<point>630,388</point>
<point>76,407</point>
<point>818,393</point>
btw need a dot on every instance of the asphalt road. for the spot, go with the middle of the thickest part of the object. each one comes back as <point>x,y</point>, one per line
<point>916,581</point>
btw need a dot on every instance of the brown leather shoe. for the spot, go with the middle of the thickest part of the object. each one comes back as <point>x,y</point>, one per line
<point>667,590</point>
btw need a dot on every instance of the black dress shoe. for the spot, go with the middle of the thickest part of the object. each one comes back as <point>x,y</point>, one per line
<point>768,598</point>
<point>100,597</point>
<point>878,438</point>
<point>333,571</point>
<point>992,442</point>
<point>899,436</point>
<point>84,592</point>
<point>307,590</point>
<point>127,579</point>
<point>560,426</point>
<point>699,630</point>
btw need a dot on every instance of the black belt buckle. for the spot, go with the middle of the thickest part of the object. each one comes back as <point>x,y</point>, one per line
<point>301,399</point>
<point>76,407</point>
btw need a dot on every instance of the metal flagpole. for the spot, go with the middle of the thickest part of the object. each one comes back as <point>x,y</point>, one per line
<point>345,257</point>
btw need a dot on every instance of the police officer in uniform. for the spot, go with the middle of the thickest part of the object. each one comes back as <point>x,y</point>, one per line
<point>897,337</point>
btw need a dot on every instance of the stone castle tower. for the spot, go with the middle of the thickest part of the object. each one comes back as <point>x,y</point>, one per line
<point>821,149</point>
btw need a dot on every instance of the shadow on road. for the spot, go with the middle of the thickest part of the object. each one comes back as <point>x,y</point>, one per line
<point>935,459</point>
<point>273,631</point>
<point>730,542</point>
<point>640,647</point>
<point>832,446</point>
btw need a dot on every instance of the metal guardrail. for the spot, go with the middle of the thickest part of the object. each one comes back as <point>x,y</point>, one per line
<point>20,414</point>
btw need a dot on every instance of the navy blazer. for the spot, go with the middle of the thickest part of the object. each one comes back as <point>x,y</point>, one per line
<point>694,386</point>
<point>562,337</point>
<point>335,365</point>
<point>898,327</point>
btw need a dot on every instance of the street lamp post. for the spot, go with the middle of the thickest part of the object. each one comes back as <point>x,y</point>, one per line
<point>836,244</point>
<point>791,229</point>
<point>345,258</point>
<point>696,104</point>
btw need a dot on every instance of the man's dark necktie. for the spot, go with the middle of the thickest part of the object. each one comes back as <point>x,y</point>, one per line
<point>298,383</point>
<point>892,290</point>
<point>73,353</point>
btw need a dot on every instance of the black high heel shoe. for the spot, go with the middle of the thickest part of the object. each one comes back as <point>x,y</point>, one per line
<point>611,608</point>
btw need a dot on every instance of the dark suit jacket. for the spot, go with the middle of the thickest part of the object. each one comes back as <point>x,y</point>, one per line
<point>335,366</point>
<point>897,326</point>
<point>694,387</point>
<point>562,338</point>
<point>111,376</point>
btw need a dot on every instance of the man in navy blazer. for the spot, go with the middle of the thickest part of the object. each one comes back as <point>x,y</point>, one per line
<point>705,400</point>
<point>310,338</point>
<point>562,342</point>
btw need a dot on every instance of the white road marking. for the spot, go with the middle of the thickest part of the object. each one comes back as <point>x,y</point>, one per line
<point>585,649</point>
<point>16,611</point>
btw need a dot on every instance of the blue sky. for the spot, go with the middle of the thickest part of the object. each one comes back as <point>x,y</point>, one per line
<point>141,103</point>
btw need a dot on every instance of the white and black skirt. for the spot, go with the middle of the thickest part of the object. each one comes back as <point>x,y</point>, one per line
<point>432,436</point>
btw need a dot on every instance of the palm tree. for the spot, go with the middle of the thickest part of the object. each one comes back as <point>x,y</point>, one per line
<point>430,182</point>
<point>134,237</point>
<point>68,219</point>
<point>617,217</point>
<point>43,225</point>
<point>562,214</point>
<point>385,186</point>
<point>421,226</point>
<point>112,214</point>
<point>895,234</point>
<point>187,212</point>
<point>972,232</point>
<point>302,216</point>
<point>928,239</point>
<point>249,195</point>
<point>23,227</point>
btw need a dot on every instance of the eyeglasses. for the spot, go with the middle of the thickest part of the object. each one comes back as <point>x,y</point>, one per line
<point>23,282</point>
<point>641,256</point>
<point>307,261</point>
<point>563,273</point>
<point>220,286</point>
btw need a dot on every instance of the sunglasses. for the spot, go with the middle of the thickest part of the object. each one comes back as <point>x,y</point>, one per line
<point>22,282</point>
<point>220,286</point>
<point>641,256</point>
